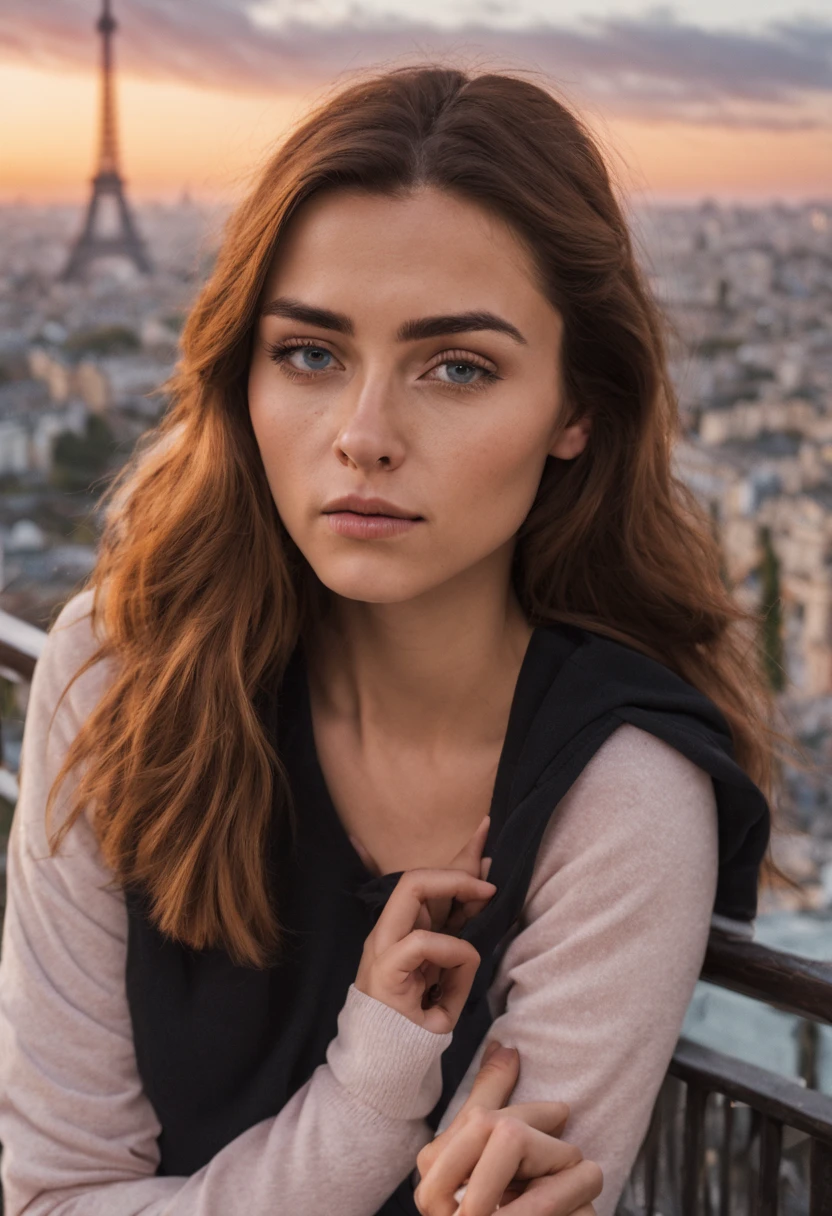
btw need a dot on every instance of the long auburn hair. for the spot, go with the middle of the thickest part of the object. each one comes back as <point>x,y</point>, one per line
<point>201,593</point>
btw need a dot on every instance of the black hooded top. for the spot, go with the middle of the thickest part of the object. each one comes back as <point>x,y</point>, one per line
<point>220,1047</point>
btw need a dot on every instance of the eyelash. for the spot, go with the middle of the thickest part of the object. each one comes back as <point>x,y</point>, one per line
<point>279,352</point>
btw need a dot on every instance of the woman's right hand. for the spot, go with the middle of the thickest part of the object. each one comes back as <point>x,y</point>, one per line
<point>401,946</point>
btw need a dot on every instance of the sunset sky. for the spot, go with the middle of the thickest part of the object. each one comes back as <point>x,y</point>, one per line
<point>731,99</point>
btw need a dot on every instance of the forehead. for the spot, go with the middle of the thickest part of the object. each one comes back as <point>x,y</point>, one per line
<point>427,238</point>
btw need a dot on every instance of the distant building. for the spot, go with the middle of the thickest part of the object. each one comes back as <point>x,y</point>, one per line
<point>102,382</point>
<point>749,419</point>
<point>29,422</point>
<point>117,380</point>
<point>747,484</point>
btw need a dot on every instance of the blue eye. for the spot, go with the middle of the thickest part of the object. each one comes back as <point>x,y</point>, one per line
<point>468,370</point>
<point>465,374</point>
<point>314,353</point>
<point>314,357</point>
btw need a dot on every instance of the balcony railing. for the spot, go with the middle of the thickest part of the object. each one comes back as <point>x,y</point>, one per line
<point>20,648</point>
<point>726,1138</point>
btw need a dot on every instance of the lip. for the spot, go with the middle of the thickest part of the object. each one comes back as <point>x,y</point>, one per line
<point>369,527</point>
<point>369,506</point>
<point>369,518</point>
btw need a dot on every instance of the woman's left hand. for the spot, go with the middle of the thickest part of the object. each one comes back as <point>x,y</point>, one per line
<point>492,1155</point>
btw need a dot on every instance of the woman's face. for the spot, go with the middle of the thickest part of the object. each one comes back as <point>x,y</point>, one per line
<point>404,353</point>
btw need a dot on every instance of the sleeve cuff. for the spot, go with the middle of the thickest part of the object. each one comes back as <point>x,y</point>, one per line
<point>385,1060</point>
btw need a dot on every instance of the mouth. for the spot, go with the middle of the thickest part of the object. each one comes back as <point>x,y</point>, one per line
<point>369,519</point>
<point>353,505</point>
<point>375,515</point>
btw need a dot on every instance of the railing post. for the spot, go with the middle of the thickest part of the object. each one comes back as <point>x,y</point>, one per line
<point>768,1185</point>
<point>820,1172</point>
<point>697,1098</point>
<point>726,1157</point>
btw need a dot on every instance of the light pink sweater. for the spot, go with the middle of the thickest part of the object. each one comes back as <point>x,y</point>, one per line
<point>592,990</point>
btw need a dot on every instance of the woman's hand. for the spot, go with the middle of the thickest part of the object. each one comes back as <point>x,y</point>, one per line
<point>401,946</point>
<point>447,915</point>
<point>469,858</point>
<point>502,1153</point>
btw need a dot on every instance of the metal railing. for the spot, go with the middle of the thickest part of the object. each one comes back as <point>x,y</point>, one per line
<point>21,645</point>
<point>726,1138</point>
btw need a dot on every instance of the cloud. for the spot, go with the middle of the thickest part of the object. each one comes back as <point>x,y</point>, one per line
<point>651,67</point>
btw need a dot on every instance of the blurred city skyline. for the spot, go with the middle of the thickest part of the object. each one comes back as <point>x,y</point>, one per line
<point>731,100</point>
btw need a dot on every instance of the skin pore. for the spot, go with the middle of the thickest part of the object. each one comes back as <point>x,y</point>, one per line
<point>412,679</point>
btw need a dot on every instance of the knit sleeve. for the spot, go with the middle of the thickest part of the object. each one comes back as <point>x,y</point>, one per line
<point>593,988</point>
<point>78,1132</point>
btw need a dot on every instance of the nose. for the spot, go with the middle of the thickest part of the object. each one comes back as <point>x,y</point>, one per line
<point>369,436</point>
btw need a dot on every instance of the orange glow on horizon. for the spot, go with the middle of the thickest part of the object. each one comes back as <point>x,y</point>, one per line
<point>171,136</point>
<point>177,136</point>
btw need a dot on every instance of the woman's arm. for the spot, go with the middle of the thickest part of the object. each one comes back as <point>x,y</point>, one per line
<point>78,1132</point>
<point>594,987</point>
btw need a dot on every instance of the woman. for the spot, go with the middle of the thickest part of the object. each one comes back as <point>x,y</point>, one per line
<point>404,588</point>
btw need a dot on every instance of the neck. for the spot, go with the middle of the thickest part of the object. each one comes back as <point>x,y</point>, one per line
<point>442,666</point>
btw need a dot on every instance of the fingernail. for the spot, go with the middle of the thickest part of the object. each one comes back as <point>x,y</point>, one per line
<point>493,1046</point>
<point>506,1054</point>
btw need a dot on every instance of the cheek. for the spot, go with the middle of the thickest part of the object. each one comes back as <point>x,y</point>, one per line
<point>493,476</point>
<point>288,440</point>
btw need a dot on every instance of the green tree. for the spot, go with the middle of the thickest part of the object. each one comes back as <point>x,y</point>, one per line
<point>771,610</point>
<point>78,460</point>
<point>103,340</point>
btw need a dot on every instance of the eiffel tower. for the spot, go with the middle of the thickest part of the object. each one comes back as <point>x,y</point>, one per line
<point>108,182</point>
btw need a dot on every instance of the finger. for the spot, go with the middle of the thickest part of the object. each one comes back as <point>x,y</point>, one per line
<point>550,1118</point>
<point>493,1155</point>
<point>414,888</point>
<point>433,975</point>
<point>568,1193</point>
<point>398,972</point>
<point>494,1081</point>
<point>547,1117</point>
<point>468,857</point>
<point>439,910</point>
<point>491,1090</point>
<point>462,913</point>
<point>448,916</point>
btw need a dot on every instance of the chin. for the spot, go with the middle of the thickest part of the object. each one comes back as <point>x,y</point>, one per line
<point>380,581</point>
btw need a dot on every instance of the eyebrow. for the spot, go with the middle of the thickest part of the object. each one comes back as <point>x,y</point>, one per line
<point>408,331</point>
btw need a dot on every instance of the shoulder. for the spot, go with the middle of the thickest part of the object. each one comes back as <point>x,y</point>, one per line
<point>57,707</point>
<point>637,765</point>
<point>71,638</point>
<point>639,810</point>
<point>70,641</point>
